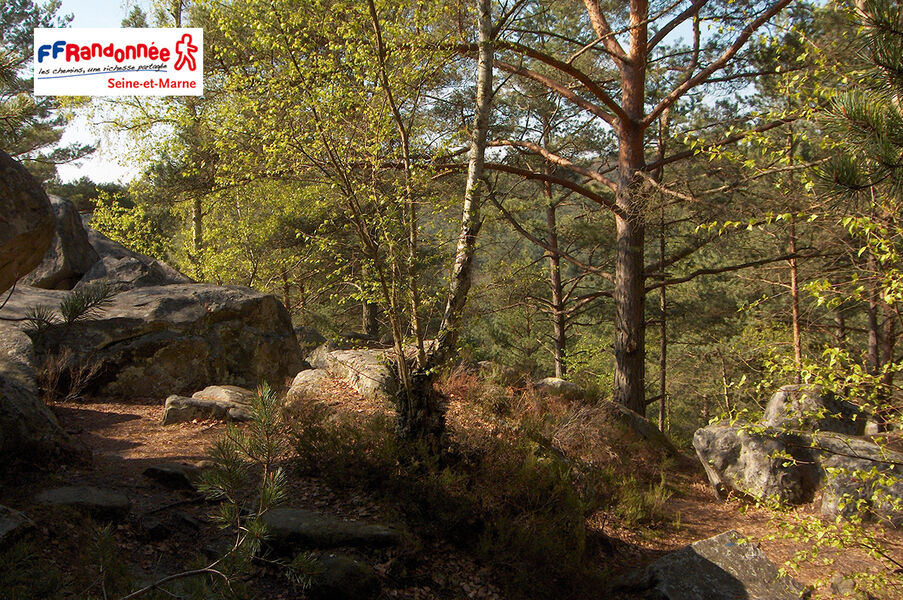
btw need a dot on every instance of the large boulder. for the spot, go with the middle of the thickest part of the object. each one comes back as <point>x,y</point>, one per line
<point>766,464</point>
<point>861,478</point>
<point>810,408</point>
<point>368,371</point>
<point>725,567</point>
<point>29,431</point>
<point>70,255</point>
<point>124,269</point>
<point>26,222</point>
<point>175,339</point>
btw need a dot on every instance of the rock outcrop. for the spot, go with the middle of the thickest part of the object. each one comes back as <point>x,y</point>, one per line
<point>26,222</point>
<point>104,504</point>
<point>810,408</point>
<point>29,431</point>
<point>802,445</point>
<point>124,269</point>
<point>762,463</point>
<point>725,567</point>
<point>69,256</point>
<point>369,372</point>
<point>175,339</point>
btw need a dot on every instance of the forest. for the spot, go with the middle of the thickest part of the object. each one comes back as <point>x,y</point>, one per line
<point>550,289</point>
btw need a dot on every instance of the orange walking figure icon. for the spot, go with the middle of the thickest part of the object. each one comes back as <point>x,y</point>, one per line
<point>185,49</point>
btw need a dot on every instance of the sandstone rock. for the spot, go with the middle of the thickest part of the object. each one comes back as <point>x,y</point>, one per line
<point>344,578</point>
<point>70,255</point>
<point>725,567</point>
<point>226,393</point>
<point>308,339</point>
<point>176,339</point>
<point>555,386</point>
<point>29,431</point>
<point>179,409</point>
<point>26,222</point>
<point>12,525</point>
<point>809,408</point>
<point>861,478</point>
<point>294,529</point>
<point>176,476</point>
<point>757,462</point>
<point>367,371</point>
<point>120,266</point>
<point>305,385</point>
<point>634,427</point>
<point>108,505</point>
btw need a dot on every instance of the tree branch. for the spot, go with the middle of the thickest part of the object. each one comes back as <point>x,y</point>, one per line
<point>722,60</point>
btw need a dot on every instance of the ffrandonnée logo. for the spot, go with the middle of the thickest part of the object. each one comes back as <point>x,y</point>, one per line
<point>119,62</point>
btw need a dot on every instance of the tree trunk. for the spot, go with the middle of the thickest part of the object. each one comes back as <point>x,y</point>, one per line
<point>420,409</point>
<point>874,335</point>
<point>558,317</point>
<point>369,322</point>
<point>630,292</point>
<point>888,341</point>
<point>462,272</point>
<point>286,296</point>
<point>840,325</point>
<point>197,234</point>
<point>795,307</point>
<point>662,298</point>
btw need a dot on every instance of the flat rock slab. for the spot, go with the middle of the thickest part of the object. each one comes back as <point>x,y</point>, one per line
<point>724,567</point>
<point>12,524</point>
<point>99,503</point>
<point>293,528</point>
<point>180,409</point>
<point>225,393</point>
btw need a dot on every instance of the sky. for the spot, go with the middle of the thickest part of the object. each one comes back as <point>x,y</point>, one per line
<point>103,166</point>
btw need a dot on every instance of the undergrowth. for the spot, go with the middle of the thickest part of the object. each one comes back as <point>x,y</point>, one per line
<point>509,493</point>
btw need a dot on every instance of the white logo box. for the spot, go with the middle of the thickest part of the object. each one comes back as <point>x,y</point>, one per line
<point>119,62</point>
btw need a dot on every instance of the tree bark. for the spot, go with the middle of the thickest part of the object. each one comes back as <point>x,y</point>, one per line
<point>629,292</point>
<point>558,316</point>
<point>795,307</point>
<point>462,272</point>
<point>662,298</point>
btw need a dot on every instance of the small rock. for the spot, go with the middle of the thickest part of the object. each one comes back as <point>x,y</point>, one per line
<point>12,524</point>
<point>179,409</point>
<point>108,505</point>
<point>344,578</point>
<point>555,386</point>
<point>293,528</point>
<point>176,476</point>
